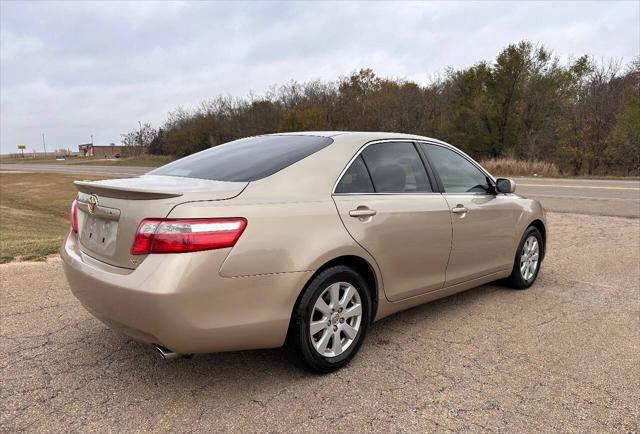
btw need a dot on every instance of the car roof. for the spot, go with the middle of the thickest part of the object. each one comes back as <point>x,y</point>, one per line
<point>363,135</point>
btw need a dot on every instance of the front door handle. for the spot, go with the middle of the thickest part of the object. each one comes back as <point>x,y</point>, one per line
<point>362,212</point>
<point>459,209</point>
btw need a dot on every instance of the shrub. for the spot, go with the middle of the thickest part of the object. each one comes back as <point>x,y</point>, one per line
<point>513,167</point>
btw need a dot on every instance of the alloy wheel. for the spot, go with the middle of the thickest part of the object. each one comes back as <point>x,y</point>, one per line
<point>336,319</point>
<point>529,258</point>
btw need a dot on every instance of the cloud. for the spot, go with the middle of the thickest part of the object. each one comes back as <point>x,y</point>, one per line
<point>75,69</point>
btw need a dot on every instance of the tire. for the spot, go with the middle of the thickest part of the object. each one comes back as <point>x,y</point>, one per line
<point>523,279</point>
<point>334,321</point>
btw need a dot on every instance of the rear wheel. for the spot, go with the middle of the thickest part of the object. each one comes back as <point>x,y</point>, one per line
<point>528,259</point>
<point>330,320</point>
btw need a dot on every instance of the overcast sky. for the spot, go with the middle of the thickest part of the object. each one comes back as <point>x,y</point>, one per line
<point>75,69</point>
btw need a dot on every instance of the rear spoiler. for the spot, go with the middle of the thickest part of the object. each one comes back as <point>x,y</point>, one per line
<point>123,192</point>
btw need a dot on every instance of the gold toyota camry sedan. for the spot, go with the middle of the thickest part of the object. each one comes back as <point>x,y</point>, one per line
<point>300,239</point>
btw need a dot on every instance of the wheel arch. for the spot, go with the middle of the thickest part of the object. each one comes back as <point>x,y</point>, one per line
<point>358,264</point>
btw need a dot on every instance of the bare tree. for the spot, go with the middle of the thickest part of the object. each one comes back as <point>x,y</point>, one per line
<point>138,141</point>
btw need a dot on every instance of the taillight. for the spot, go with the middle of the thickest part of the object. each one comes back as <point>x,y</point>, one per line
<point>189,235</point>
<point>74,216</point>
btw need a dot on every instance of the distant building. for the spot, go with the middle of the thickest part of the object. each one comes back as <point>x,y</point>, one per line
<point>102,151</point>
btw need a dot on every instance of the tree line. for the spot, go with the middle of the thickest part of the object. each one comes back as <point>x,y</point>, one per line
<point>583,114</point>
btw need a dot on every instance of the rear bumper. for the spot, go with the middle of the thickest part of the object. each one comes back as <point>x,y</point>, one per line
<point>181,302</point>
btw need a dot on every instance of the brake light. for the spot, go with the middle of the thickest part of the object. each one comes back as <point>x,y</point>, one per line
<point>188,235</point>
<point>74,216</point>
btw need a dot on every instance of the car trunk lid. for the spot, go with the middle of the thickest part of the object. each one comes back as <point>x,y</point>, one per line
<point>109,211</point>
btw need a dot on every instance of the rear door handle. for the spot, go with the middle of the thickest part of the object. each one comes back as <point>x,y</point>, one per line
<point>362,212</point>
<point>459,209</point>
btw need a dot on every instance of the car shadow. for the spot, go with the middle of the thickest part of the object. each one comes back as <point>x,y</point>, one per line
<point>258,368</point>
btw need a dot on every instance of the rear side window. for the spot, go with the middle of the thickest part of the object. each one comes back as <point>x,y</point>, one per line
<point>396,168</point>
<point>458,175</point>
<point>356,179</point>
<point>247,159</point>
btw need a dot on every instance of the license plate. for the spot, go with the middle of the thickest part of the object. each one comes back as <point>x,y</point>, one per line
<point>100,235</point>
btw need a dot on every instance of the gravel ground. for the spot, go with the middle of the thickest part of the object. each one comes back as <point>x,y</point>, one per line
<point>562,356</point>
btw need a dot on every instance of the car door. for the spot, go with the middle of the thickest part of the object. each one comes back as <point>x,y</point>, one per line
<point>483,221</point>
<point>387,204</point>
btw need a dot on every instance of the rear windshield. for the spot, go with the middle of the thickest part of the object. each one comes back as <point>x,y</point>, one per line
<point>247,159</point>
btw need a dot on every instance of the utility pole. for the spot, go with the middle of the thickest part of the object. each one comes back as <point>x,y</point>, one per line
<point>91,139</point>
<point>139,150</point>
<point>44,145</point>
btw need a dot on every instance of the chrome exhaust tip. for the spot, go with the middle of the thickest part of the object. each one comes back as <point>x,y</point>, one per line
<point>166,353</point>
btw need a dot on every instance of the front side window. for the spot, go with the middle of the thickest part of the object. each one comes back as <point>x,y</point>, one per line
<point>396,167</point>
<point>356,179</point>
<point>458,175</point>
<point>247,159</point>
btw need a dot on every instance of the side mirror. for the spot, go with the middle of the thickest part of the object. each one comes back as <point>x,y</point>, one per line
<point>505,185</point>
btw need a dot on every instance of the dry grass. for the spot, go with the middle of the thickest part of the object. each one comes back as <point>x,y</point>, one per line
<point>511,167</point>
<point>34,214</point>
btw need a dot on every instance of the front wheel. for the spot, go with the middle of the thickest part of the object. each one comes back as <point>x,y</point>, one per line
<point>528,259</point>
<point>330,320</point>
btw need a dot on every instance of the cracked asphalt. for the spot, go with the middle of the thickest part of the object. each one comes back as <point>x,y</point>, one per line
<point>561,356</point>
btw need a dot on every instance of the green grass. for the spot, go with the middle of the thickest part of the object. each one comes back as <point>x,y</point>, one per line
<point>34,214</point>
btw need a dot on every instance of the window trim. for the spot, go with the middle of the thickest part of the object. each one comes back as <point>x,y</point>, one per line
<point>366,169</point>
<point>464,156</point>
<point>430,176</point>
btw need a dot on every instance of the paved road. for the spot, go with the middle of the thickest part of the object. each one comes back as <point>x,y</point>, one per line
<point>596,197</point>
<point>562,356</point>
<point>584,196</point>
<point>95,170</point>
